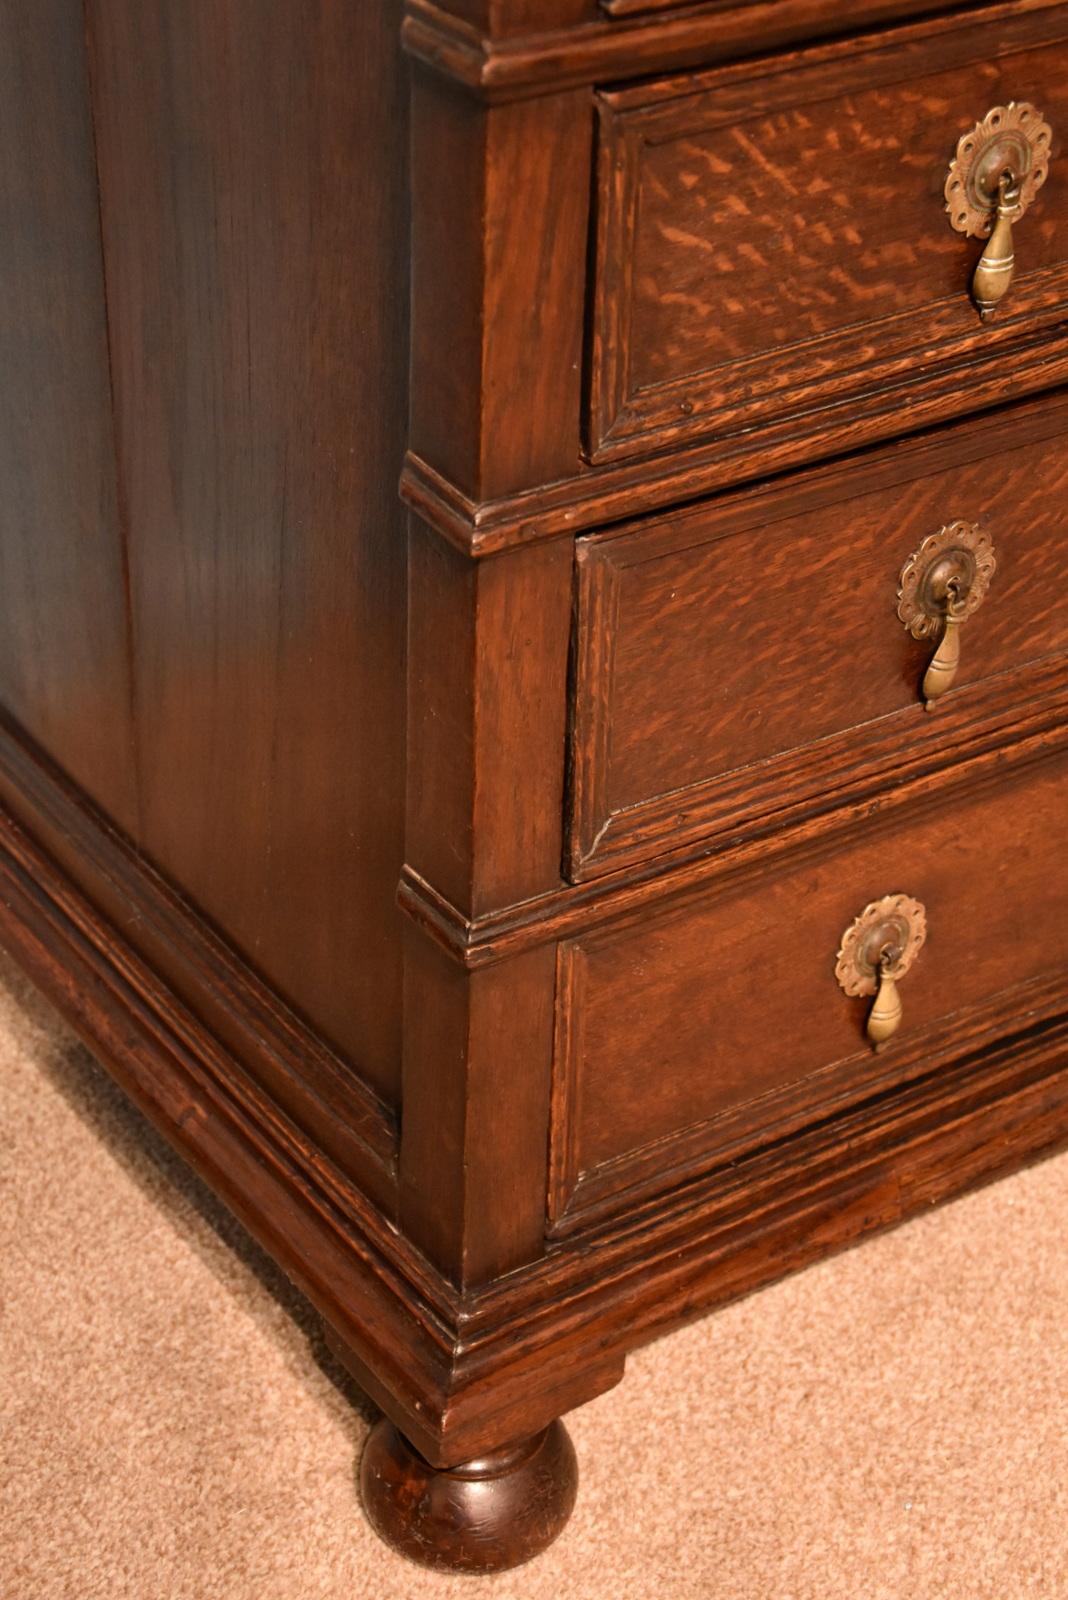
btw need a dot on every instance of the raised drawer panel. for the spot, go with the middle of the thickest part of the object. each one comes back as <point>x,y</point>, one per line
<point>686,1037</point>
<point>745,659</point>
<point>774,243</point>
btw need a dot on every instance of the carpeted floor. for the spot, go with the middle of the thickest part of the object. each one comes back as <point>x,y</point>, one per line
<point>890,1424</point>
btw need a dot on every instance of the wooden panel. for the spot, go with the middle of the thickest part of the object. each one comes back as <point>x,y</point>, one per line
<point>488,658</point>
<point>774,240</point>
<point>64,671</point>
<point>256,242</point>
<point>746,656</point>
<point>474,1146</point>
<point>719,1025</point>
<point>498,288</point>
<point>262,1040</point>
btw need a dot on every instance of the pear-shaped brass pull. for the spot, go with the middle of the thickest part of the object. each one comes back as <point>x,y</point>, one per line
<point>884,1018</point>
<point>878,949</point>
<point>941,584</point>
<point>998,169</point>
<point>994,274</point>
<point>943,665</point>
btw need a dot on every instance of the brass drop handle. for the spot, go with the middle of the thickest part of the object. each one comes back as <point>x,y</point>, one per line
<point>997,265</point>
<point>877,951</point>
<point>942,668</point>
<point>884,1018</point>
<point>997,171</point>
<point>942,583</point>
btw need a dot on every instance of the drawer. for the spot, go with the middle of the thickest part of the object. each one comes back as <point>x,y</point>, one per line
<point>775,258</point>
<point>717,1024</point>
<point>744,661</point>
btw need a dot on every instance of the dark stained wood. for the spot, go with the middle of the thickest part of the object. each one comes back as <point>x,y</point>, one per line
<point>64,670</point>
<point>484,1516</point>
<point>1027,735</point>
<point>328,702</point>
<point>265,1041</point>
<point>791,248</point>
<point>499,287</point>
<point>504,51</point>
<point>708,1242</point>
<point>504,19</point>
<point>627,8</point>
<point>478,1063</point>
<point>258,325</point>
<point>716,1025</point>
<point>620,490</point>
<point>548,1337</point>
<point>743,656</point>
<point>487,683</point>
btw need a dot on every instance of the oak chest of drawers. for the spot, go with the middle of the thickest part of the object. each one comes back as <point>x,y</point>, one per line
<point>630,862</point>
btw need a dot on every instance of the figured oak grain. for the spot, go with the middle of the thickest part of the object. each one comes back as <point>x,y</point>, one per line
<point>747,654</point>
<point>313,720</point>
<point>718,1016</point>
<point>461,1374</point>
<point>772,242</point>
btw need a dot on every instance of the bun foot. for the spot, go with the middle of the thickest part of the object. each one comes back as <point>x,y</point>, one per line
<point>482,1516</point>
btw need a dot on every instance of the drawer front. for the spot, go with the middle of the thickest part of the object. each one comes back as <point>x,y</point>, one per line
<point>746,660</point>
<point>686,1037</point>
<point>774,249</point>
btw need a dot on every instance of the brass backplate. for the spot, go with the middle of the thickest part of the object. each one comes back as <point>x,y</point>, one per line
<point>896,922</point>
<point>962,555</point>
<point>1013,138</point>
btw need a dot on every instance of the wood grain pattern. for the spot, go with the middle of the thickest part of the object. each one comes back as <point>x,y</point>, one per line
<point>1022,736</point>
<point>773,237</point>
<point>487,674</point>
<point>483,1516</point>
<point>262,405</point>
<point>267,1043</point>
<point>498,305</point>
<point>715,1238</point>
<point>462,1375</point>
<point>745,656</point>
<point>478,1063</point>
<point>64,667</point>
<point>321,691</point>
<point>618,491</point>
<point>487,679</point>
<point>506,51</point>
<point>658,1032</point>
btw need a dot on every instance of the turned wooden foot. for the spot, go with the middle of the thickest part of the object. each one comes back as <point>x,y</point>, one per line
<point>483,1516</point>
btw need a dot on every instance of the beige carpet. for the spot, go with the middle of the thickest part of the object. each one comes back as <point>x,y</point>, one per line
<point>892,1423</point>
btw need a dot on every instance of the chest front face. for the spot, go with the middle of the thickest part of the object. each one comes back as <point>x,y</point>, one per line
<point>808,457</point>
